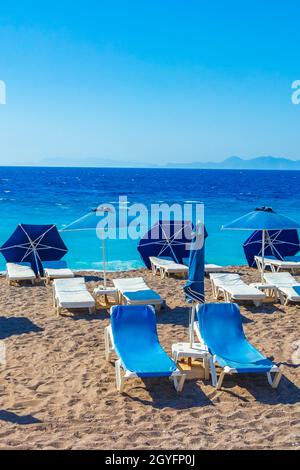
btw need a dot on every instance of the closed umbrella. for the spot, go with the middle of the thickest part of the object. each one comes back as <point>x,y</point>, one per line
<point>263,219</point>
<point>194,288</point>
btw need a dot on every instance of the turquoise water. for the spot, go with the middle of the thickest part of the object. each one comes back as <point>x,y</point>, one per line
<point>61,195</point>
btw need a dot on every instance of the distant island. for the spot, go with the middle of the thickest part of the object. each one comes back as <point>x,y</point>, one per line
<point>237,163</point>
<point>231,163</point>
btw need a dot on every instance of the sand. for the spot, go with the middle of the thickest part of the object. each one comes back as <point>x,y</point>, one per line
<point>57,391</point>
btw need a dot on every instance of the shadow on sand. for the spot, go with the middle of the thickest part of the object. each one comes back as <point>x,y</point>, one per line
<point>12,326</point>
<point>13,418</point>
<point>287,392</point>
<point>191,397</point>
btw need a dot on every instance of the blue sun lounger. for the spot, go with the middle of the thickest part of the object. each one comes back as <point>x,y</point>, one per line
<point>222,331</point>
<point>132,335</point>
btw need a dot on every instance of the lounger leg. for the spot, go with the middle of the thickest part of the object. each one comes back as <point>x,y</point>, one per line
<point>206,367</point>
<point>274,382</point>
<point>214,379</point>
<point>107,344</point>
<point>214,290</point>
<point>178,381</point>
<point>119,378</point>
<point>220,381</point>
<point>58,310</point>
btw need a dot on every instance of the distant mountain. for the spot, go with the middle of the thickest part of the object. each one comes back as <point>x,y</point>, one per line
<point>232,163</point>
<point>237,163</point>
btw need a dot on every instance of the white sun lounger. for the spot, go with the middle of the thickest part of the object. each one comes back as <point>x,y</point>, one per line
<point>20,272</point>
<point>134,291</point>
<point>167,267</point>
<point>56,270</point>
<point>287,286</point>
<point>213,268</point>
<point>72,294</point>
<point>290,263</point>
<point>234,288</point>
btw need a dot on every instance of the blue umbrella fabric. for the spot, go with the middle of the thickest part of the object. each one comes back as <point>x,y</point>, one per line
<point>167,239</point>
<point>34,244</point>
<point>194,288</point>
<point>278,244</point>
<point>262,218</point>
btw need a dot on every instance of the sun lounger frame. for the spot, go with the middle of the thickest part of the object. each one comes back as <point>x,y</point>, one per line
<point>59,308</point>
<point>218,382</point>
<point>277,265</point>
<point>123,300</point>
<point>280,287</point>
<point>177,376</point>
<point>15,278</point>
<point>223,289</point>
<point>165,269</point>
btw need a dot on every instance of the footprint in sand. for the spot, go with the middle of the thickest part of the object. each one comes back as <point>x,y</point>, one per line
<point>296,353</point>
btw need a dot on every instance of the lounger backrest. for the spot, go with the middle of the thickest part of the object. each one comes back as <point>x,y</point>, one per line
<point>226,278</point>
<point>69,285</point>
<point>133,327</point>
<point>130,284</point>
<point>161,261</point>
<point>280,279</point>
<point>220,327</point>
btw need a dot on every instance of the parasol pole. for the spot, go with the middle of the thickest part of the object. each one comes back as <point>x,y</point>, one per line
<point>263,255</point>
<point>192,319</point>
<point>104,260</point>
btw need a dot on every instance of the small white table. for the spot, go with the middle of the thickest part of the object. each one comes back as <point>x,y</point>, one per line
<point>197,351</point>
<point>106,291</point>
<point>270,289</point>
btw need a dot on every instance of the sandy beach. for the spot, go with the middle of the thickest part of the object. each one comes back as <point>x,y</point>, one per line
<point>57,391</point>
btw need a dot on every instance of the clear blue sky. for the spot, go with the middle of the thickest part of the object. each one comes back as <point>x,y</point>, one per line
<point>148,80</point>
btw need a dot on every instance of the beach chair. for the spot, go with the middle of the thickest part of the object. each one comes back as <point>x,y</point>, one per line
<point>165,267</point>
<point>56,270</point>
<point>221,329</point>
<point>71,294</point>
<point>213,268</point>
<point>208,267</point>
<point>134,291</point>
<point>290,263</point>
<point>133,337</point>
<point>18,272</point>
<point>233,288</point>
<point>287,286</point>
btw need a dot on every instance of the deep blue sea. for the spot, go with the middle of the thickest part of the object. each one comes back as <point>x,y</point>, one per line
<point>61,195</point>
